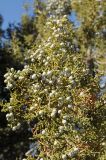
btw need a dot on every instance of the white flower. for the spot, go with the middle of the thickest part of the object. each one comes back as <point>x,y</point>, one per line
<point>54,28</point>
<point>61,128</point>
<point>46,63</point>
<point>52,46</point>
<point>11,100</point>
<point>6,75</point>
<point>69,106</point>
<point>12,69</point>
<point>64,157</point>
<point>64,121</point>
<point>43,131</point>
<point>58,21</point>
<point>49,73</point>
<point>65,16</point>
<point>76,149</point>
<point>14,128</point>
<point>9,86</point>
<point>45,90</point>
<point>50,82</point>
<point>70,78</point>
<point>59,111</point>
<point>48,58</point>
<point>52,93</point>
<point>54,111</point>
<point>21,77</point>
<point>9,116</point>
<point>44,73</point>
<point>68,98</point>
<point>33,76</point>
<point>103,143</point>
<point>56,35</point>
<point>44,60</point>
<point>39,99</point>
<point>32,108</point>
<point>61,44</point>
<point>55,142</point>
<point>10,108</point>
<point>26,66</point>
<point>18,125</point>
<point>66,69</point>
<point>35,90</point>
<point>36,86</point>
<point>41,112</point>
<point>81,94</point>
<point>35,104</point>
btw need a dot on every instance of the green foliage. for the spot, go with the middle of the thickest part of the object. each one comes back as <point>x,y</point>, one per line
<point>91,15</point>
<point>57,92</point>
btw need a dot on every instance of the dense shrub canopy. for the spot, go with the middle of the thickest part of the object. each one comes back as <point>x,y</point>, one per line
<point>57,92</point>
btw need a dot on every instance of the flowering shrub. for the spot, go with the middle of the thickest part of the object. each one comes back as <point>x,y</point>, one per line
<point>58,97</point>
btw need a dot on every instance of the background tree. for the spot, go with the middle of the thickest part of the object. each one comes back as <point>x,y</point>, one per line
<point>91,31</point>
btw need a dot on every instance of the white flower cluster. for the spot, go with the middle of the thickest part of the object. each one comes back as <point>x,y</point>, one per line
<point>9,78</point>
<point>46,87</point>
<point>10,118</point>
<point>14,128</point>
<point>58,7</point>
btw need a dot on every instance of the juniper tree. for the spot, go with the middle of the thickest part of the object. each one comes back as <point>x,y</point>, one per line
<point>57,96</point>
<point>91,15</point>
<point>10,148</point>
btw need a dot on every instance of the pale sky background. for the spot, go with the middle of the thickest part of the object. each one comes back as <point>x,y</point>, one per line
<point>12,10</point>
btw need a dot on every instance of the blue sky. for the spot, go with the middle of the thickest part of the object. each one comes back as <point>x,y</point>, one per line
<point>11,10</point>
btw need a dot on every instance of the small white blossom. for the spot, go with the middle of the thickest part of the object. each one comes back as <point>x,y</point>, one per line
<point>43,131</point>
<point>54,111</point>
<point>21,77</point>
<point>49,73</point>
<point>70,78</point>
<point>9,86</point>
<point>18,125</point>
<point>64,157</point>
<point>12,69</point>
<point>33,76</point>
<point>10,108</point>
<point>41,112</point>
<point>68,98</point>
<point>52,93</point>
<point>32,108</point>
<point>61,128</point>
<point>69,106</point>
<point>46,63</point>
<point>50,82</point>
<point>14,128</point>
<point>59,111</point>
<point>55,142</point>
<point>64,121</point>
<point>81,94</point>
